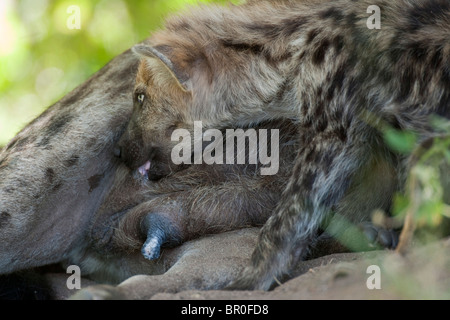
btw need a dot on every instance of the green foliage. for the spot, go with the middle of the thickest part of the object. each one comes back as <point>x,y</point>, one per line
<point>400,141</point>
<point>427,193</point>
<point>41,59</point>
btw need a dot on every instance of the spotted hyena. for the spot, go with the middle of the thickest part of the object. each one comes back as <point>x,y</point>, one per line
<point>317,63</point>
<point>65,198</point>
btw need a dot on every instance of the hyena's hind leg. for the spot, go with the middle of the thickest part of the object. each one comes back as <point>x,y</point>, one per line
<point>322,175</point>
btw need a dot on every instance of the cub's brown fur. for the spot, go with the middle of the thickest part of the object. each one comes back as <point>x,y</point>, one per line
<point>199,200</point>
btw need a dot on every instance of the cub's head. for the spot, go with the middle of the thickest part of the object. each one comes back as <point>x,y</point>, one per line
<point>210,65</point>
<point>160,100</point>
<point>164,100</point>
<point>189,74</point>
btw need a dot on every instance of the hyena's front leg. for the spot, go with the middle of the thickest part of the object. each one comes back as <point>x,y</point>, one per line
<point>322,175</point>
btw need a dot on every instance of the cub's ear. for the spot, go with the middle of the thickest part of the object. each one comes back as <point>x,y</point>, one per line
<point>174,68</point>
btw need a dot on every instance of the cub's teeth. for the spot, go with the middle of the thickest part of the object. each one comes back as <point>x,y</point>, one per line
<point>143,170</point>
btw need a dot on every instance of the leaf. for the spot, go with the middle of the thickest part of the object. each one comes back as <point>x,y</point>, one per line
<point>400,141</point>
<point>430,213</point>
<point>400,205</point>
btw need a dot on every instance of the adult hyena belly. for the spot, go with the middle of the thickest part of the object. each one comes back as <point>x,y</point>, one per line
<point>55,172</point>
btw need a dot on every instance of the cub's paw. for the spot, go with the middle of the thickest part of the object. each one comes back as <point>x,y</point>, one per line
<point>379,236</point>
<point>160,232</point>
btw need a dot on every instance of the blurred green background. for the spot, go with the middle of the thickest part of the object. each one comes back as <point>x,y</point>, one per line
<point>42,59</point>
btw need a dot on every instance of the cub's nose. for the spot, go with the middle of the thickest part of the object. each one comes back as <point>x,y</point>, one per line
<point>117,152</point>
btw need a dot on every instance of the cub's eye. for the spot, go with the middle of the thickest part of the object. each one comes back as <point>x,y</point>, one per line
<point>141,98</point>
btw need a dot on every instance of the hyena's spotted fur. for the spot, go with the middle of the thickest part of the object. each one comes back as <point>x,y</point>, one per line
<point>317,63</point>
<point>55,172</point>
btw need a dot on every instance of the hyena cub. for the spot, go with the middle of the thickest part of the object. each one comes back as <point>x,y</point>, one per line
<point>317,63</point>
<point>192,201</point>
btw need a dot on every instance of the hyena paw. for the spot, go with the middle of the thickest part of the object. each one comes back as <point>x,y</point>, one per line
<point>160,231</point>
<point>379,236</point>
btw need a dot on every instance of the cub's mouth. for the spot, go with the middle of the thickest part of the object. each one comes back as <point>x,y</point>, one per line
<point>150,164</point>
<point>154,169</point>
<point>149,171</point>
